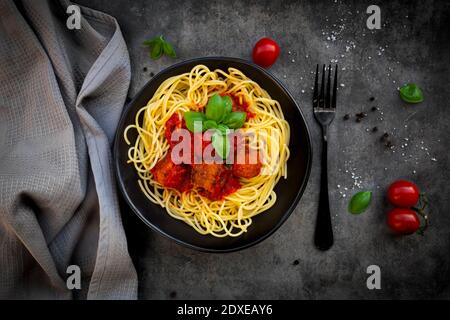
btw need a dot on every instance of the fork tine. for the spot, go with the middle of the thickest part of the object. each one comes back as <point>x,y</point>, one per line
<point>328,93</point>
<point>316,89</point>
<point>322,87</point>
<point>333,101</point>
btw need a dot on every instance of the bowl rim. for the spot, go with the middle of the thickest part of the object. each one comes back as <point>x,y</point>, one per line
<point>121,185</point>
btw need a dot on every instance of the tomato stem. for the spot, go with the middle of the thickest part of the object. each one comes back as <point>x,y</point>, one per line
<point>423,203</point>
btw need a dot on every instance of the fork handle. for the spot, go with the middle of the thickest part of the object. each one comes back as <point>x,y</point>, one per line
<point>323,236</point>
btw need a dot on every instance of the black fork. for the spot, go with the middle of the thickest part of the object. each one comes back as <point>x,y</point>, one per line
<point>324,105</point>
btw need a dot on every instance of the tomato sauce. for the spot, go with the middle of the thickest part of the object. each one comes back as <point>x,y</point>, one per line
<point>225,184</point>
<point>179,176</point>
<point>172,124</point>
<point>242,107</point>
<point>231,185</point>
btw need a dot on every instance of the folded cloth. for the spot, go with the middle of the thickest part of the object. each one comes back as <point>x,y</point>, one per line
<point>61,96</point>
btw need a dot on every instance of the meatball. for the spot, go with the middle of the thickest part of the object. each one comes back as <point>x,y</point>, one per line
<point>246,170</point>
<point>208,176</point>
<point>172,175</point>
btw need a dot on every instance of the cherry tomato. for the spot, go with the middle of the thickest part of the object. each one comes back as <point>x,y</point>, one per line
<point>265,52</point>
<point>403,193</point>
<point>403,220</point>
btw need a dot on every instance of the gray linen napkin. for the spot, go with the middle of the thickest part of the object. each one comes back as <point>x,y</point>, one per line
<point>61,95</point>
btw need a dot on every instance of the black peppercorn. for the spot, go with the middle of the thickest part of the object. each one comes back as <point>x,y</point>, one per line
<point>361,115</point>
<point>374,109</point>
<point>151,74</point>
<point>374,129</point>
<point>144,69</point>
<point>346,117</point>
<point>296,262</point>
<point>372,98</point>
<point>173,294</point>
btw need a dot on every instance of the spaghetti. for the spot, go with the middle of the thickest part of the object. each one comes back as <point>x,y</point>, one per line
<point>232,215</point>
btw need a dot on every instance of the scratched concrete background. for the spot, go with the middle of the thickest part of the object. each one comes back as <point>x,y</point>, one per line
<point>412,46</point>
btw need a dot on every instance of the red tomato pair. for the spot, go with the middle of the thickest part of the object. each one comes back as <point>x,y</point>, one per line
<point>405,195</point>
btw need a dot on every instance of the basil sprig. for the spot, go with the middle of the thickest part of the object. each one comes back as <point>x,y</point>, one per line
<point>219,116</point>
<point>159,46</point>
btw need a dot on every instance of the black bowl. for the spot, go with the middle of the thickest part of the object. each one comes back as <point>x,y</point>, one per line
<point>288,191</point>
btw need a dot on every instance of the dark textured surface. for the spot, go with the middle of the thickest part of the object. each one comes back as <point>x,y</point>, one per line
<point>411,46</point>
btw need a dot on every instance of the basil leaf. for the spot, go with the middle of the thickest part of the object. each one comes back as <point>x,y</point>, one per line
<point>151,42</point>
<point>411,93</point>
<point>209,124</point>
<point>221,144</point>
<point>168,50</point>
<point>360,202</point>
<point>193,119</point>
<point>235,120</point>
<point>215,108</point>
<point>223,129</point>
<point>156,51</point>
<point>228,106</point>
<point>148,43</point>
